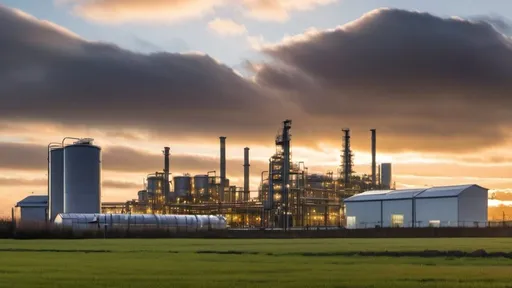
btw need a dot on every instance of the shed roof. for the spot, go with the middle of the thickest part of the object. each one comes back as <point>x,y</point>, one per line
<point>445,191</point>
<point>434,192</point>
<point>405,193</point>
<point>372,195</point>
<point>33,201</point>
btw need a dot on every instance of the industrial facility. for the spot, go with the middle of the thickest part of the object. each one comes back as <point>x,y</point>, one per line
<point>288,195</point>
<point>74,192</point>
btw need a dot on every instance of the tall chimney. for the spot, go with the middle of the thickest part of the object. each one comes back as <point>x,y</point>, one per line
<point>166,174</point>
<point>222,166</point>
<point>374,155</point>
<point>246,174</point>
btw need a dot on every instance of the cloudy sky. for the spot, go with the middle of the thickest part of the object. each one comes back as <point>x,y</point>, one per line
<point>433,77</point>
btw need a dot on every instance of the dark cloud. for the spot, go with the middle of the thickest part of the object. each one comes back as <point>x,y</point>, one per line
<point>17,156</point>
<point>425,82</point>
<point>22,182</point>
<point>121,184</point>
<point>500,23</point>
<point>47,73</point>
<point>130,160</point>
<point>32,157</point>
<point>17,182</point>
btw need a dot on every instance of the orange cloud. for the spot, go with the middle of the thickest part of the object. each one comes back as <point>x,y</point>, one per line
<point>227,27</point>
<point>119,11</point>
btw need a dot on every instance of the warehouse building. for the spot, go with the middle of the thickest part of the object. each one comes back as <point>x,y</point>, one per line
<point>447,206</point>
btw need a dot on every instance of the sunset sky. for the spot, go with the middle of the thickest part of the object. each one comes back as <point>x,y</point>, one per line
<point>433,77</point>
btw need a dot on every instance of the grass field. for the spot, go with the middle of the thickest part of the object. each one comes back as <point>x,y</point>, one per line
<point>268,263</point>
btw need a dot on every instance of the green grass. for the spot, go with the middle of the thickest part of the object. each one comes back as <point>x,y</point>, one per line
<point>274,263</point>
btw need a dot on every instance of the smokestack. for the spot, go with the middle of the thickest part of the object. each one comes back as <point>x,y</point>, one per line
<point>166,173</point>
<point>222,166</point>
<point>374,155</point>
<point>246,174</point>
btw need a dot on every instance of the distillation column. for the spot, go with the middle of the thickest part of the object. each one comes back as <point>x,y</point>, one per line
<point>347,158</point>
<point>246,174</point>
<point>287,125</point>
<point>166,174</point>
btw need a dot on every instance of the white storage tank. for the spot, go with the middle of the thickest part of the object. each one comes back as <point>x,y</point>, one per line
<point>82,177</point>
<point>55,182</point>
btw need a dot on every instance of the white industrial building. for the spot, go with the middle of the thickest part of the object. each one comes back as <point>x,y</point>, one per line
<point>32,209</point>
<point>447,206</point>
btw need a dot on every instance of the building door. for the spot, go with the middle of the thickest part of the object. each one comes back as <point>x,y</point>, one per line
<point>351,222</point>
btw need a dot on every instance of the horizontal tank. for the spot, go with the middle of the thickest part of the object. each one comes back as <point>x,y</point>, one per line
<point>201,185</point>
<point>82,178</point>
<point>149,221</point>
<point>55,182</point>
<point>182,186</point>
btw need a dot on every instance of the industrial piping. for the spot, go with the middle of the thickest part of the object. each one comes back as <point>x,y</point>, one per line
<point>374,161</point>
<point>222,167</point>
<point>246,174</point>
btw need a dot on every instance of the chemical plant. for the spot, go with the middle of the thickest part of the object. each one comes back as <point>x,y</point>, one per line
<point>288,195</point>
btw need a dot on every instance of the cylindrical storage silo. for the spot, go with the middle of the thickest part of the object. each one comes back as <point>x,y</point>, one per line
<point>82,178</point>
<point>200,185</point>
<point>182,186</point>
<point>386,175</point>
<point>56,183</point>
<point>155,185</point>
